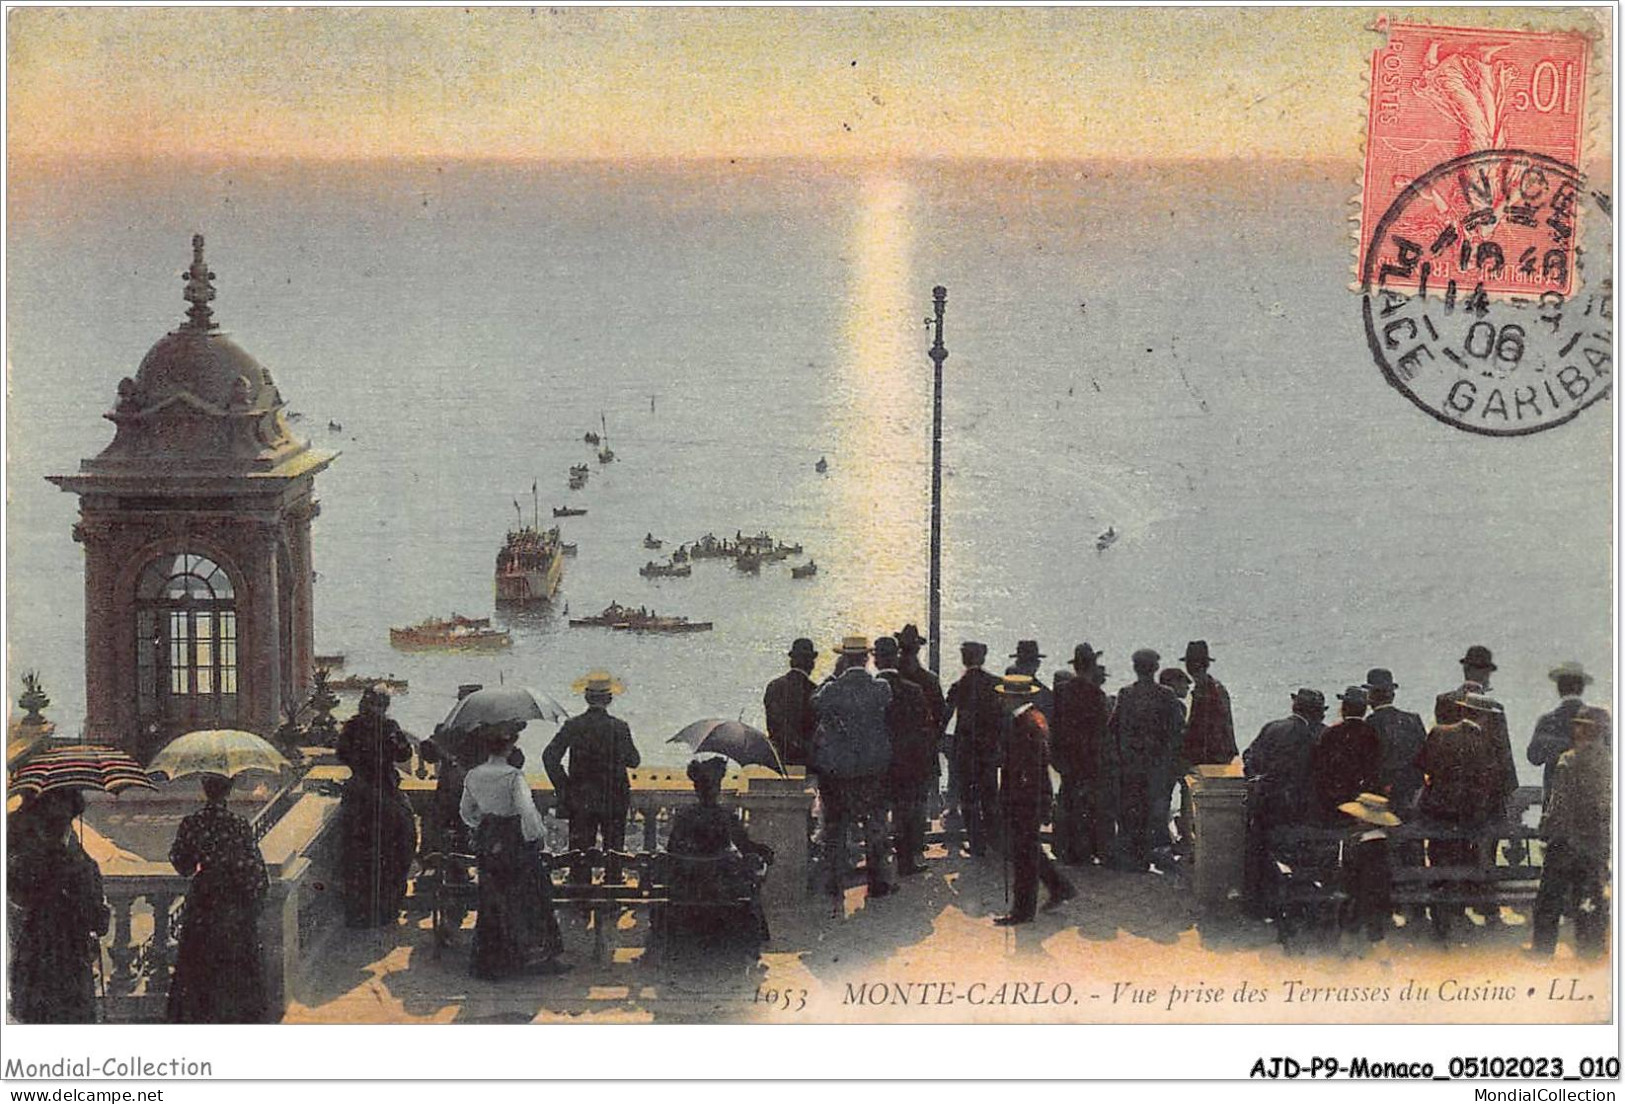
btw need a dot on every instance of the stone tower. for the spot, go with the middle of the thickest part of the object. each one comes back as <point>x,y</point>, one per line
<point>195,522</point>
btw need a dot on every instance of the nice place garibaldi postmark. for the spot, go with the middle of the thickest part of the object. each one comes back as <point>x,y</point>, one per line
<point>1485,261</point>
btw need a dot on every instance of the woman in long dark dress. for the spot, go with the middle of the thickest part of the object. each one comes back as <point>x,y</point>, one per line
<point>377,830</point>
<point>515,928</point>
<point>57,912</point>
<point>713,861</point>
<point>219,975</point>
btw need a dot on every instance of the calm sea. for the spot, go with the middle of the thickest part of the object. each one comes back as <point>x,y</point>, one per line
<point>1171,351</point>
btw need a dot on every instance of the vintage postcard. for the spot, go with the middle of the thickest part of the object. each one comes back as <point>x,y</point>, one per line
<point>811,516</point>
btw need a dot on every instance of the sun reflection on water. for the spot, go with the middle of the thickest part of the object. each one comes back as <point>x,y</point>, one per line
<point>883,473</point>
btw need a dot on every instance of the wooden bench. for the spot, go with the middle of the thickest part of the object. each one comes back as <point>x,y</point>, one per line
<point>450,884</point>
<point>1507,872</point>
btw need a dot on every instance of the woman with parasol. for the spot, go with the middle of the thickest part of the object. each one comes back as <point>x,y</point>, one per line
<point>219,977</point>
<point>54,891</point>
<point>515,920</point>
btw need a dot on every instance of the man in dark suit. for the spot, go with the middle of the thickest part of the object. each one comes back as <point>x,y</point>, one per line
<point>909,666</point>
<point>1210,734</point>
<point>594,793</point>
<point>1476,667</point>
<point>1345,759</point>
<point>1026,796</point>
<point>1276,764</point>
<point>1144,730</point>
<point>1084,827</point>
<point>1553,732</point>
<point>975,710</point>
<point>791,720</point>
<point>1026,660</point>
<point>1460,764</point>
<point>913,755</point>
<point>1400,735</point>
<point>1577,829</point>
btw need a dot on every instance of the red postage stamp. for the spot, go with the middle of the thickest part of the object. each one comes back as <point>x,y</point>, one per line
<point>1439,94</point>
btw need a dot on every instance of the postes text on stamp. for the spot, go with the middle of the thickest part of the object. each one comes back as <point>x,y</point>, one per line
<point>1441,93</point>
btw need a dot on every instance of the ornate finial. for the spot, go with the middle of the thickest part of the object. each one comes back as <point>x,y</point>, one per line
<point>33,698</point>
<point>939,299</point>
<point>198,289</point>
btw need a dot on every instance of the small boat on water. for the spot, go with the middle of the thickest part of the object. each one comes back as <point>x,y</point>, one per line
<point>681,555</point>
<point>328,660</point>
<point>1106,539</point>
<point>605,453</point>
<point>568,549</point>
<point>651,541</point>
<point>626,619</point>
<point>822,466</point>
<point>748,562</point>
<point>334,427</point>
<point>789,549</point>
<point>578,476</point>
<point>569,511</point>
<point>590,437</point>
<point>455,632</point>
<point>355,684</point>
<point>652,570</point>
<point>804,571</point>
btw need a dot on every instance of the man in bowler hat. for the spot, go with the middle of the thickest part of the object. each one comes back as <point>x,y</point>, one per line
<point>1025,660</point>
<point>1027,796</point>
<point>1085,830</point>
<point>791,720</point>
<point>1477,665</point>
<point>1210,733</point>
<point>976,712</point>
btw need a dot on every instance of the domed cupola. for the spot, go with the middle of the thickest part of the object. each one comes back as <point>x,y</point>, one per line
<point>198,399</point>
<point>196,528</point>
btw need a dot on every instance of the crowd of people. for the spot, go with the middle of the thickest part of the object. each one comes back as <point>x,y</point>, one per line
<point>873,741</point>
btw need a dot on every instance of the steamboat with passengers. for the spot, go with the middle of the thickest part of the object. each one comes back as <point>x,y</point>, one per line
<point>530,562</point>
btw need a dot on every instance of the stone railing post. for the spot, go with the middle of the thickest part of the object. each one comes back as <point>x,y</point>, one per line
<point>1219,827</point>
<point>778,810</point>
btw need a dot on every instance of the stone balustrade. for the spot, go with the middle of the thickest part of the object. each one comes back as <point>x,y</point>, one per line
<point>138,953</point>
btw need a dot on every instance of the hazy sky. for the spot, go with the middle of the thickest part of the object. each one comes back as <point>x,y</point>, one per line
<point>573,83</point>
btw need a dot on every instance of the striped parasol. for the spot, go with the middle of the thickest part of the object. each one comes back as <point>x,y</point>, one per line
<point>80,767</point>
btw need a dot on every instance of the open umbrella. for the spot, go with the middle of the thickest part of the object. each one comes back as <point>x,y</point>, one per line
<point>79,767</point>
<point>226,751</point>
<point>502,704</point>
<point>735,739</point>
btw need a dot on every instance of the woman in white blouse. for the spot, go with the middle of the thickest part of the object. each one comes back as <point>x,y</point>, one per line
<point>515,925</point>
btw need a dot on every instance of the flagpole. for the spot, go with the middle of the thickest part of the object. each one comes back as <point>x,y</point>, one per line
<point>938,354</point>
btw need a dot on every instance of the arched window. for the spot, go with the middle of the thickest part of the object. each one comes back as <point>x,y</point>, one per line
<point>187,640</point>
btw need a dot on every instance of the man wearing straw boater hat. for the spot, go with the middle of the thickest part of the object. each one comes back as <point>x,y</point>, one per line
<point>594,793</point>
<point>1552,732</point>
<point>1026,797</point>
<point>852,754</point>
<point>1368,880</point>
